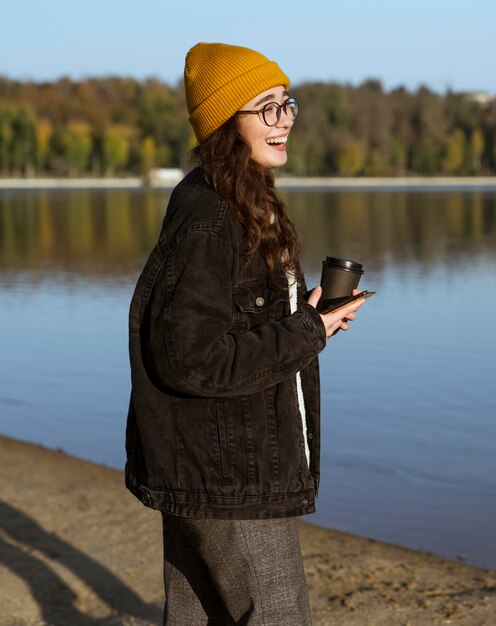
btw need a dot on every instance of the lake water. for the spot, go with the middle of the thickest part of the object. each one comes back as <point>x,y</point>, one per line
<point>409,393</point>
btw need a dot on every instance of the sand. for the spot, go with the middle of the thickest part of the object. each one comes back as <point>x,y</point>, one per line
<point>77,549</point>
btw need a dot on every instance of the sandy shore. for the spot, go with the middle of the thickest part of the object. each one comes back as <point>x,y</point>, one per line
<point>76,549</point>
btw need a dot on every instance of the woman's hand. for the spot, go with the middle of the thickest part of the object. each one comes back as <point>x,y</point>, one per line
<point>339,319</point>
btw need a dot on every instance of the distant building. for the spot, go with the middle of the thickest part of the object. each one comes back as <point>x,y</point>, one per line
<point>166,175</point>
<point>481,97</point>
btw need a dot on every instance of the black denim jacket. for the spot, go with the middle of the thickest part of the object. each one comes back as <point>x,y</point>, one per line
<point>214,428</point>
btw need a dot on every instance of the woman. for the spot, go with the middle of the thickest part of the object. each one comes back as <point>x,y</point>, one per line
<point>223,426</point>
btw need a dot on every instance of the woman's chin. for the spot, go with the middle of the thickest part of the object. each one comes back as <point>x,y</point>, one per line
<point>278,159</point>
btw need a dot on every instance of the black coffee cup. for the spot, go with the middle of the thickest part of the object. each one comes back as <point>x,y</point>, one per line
<point>339,278</point>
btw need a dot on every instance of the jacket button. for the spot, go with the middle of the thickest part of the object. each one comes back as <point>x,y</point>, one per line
<point>147,497</point>
<point>259,301</point>
<point>310,435</point>
<point>305,502</point>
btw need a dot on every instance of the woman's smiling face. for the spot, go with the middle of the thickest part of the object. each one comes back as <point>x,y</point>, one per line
<point>267,143</point>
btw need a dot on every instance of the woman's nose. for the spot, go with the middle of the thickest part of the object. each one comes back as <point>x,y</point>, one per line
<point>285,121</point>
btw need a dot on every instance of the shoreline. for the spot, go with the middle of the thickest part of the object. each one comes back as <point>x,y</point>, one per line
<point>76,548</point>
<point>284,183</point>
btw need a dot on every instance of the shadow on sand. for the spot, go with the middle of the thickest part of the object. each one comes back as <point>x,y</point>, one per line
<point>21,538</point>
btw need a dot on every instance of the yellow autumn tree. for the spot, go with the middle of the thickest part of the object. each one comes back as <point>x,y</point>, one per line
<point>477,146</point>
<point>148,154</point>
<point>43,134</point>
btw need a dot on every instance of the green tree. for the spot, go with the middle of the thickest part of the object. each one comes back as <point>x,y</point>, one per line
<point>398,156</point>
<point>78,142</point>
<point>338,108</point>
<point>164,156</point>
<point>428,131</point>
<point>425,156</point>
<point>6,136</point>
<point>116,147</point>
<point>351,158</point>
<point>23,147</point>
<point>454,158</point>
<point>494,152</point>
<point>311,148</point>
<point>163,116</point>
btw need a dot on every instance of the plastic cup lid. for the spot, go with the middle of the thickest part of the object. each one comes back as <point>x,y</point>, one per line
<point>346,264</point>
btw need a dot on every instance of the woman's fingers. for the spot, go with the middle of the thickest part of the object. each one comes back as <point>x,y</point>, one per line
<point>336,319</point>
<point>315,296</point>
<point>340,318</point>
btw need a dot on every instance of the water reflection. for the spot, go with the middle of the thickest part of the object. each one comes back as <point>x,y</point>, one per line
<point>398,227</point>
<point>106,232</point>
<point>94,232</point>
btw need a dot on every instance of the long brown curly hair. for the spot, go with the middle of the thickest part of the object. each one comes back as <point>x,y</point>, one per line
<point>248,187</point>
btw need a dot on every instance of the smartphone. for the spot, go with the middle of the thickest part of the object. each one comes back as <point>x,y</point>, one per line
<point>346,301</point>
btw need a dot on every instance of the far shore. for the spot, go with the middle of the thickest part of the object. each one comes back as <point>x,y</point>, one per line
<point>285,183</point>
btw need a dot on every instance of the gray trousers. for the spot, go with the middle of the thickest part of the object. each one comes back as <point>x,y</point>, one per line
<point>233,572</point>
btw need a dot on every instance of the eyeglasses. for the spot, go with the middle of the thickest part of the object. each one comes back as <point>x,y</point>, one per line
<point>270,113</point>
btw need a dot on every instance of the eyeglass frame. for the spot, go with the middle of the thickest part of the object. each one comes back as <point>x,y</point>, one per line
<point>261,115</point>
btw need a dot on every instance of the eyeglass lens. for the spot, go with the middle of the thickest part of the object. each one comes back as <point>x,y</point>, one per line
<point>271,112</point>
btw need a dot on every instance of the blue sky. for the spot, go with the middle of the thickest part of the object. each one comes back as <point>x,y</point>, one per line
<point>438,43</point>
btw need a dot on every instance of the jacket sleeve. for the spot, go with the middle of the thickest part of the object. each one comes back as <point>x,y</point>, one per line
<point>203,355</point>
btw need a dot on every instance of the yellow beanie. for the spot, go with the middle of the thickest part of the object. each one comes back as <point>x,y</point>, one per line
<point>219,79</point>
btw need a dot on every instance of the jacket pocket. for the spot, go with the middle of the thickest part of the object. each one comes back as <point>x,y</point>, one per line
<point>257,304</point>
<point>224,439</point>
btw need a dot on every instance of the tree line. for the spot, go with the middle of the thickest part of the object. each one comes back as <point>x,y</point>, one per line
<point>122,126</point>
